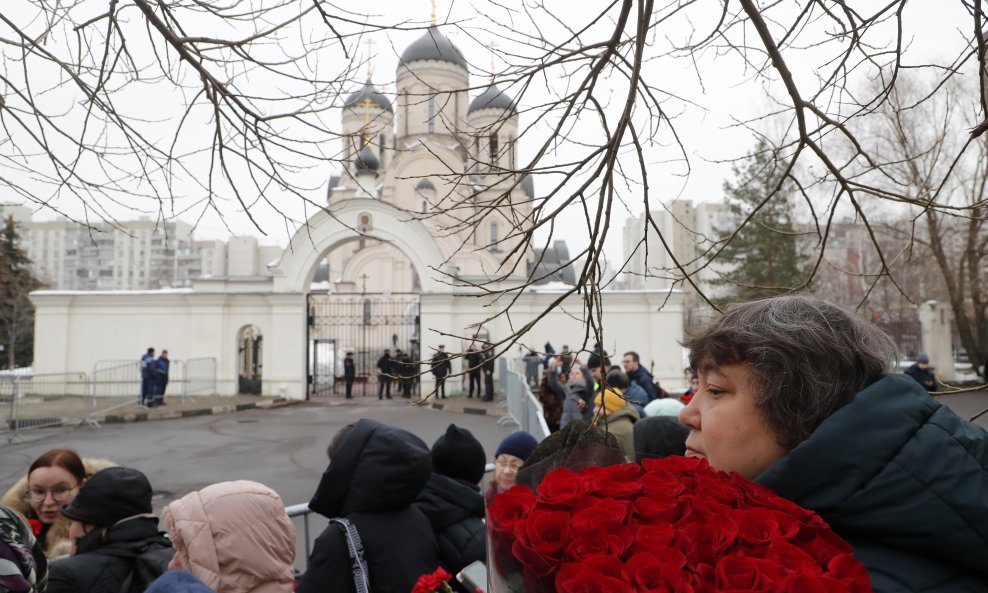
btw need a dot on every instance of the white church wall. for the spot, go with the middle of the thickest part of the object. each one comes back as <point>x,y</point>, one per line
<point>75,330</point>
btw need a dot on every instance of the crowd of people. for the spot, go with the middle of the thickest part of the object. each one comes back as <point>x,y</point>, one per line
<point>793,393</point>
<point>398,509</point>
<point>154,378</point>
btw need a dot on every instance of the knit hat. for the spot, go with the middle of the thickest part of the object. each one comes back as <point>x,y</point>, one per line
<point>666,406</point>
<point>110,495</point>
<point>612,400</point>
<point>923,358</point>
<point>459,455</point>
<point>520,444</point>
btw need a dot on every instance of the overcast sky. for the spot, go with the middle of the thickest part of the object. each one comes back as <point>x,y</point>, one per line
<point>713,96</point>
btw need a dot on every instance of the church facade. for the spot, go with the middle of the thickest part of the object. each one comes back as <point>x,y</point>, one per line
<point>409,248</point>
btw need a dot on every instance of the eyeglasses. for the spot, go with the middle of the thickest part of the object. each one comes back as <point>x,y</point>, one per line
<point>58,494</point>
<point>508,465</point>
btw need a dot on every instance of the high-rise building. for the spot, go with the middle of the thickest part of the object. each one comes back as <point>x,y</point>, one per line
<point>130,255</point>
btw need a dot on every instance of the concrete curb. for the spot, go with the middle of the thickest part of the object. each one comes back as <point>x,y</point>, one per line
<point>277,402</point>
<point>458,408</point>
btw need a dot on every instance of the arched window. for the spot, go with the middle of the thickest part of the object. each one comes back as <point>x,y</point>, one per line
<point>383,145</point>
<point>493,141</point>
<point>493,246</point>
<point>367,312</point>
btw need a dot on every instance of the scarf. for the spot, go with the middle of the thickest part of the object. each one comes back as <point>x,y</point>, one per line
<point>23,566</point>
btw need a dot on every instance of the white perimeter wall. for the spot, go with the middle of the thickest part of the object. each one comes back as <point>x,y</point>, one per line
<point>74,330</point>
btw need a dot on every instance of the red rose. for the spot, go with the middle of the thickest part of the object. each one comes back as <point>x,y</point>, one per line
<point>588,542</point>
<point>722,491</point>
<point>661,484</point>
<point>593,574</point>
<point>36,526</point>
<point>541,538</point>
<point>604,513</point>
<point>615,481</point>
<point>563,487</point>
<point>656,510</point>
<point>508,508</point>
<point>737,573</point>
<point>847,569</point>
<point>756,527</point>
<point>658,572</point>
<point>812,584</point>
<point>675,464</point>
<point>649,538</point>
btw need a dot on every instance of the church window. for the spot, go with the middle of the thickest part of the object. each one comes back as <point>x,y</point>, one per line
<point>493,150</point>
<point>381,143</point>
<point>367,312</point>
<point>432,114</point>
<point>493,246</point>
<point>425,206</point>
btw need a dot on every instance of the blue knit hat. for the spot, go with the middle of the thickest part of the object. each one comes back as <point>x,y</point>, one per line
<point>520,444</point>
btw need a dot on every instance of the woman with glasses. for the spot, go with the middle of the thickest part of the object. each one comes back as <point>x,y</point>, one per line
<point>508,459</point>
<point>51,482</point>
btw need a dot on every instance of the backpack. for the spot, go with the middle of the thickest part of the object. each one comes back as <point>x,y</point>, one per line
<point>151,557</point>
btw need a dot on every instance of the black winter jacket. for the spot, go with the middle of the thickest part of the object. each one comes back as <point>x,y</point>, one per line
<point>103,562</point>
<point>456,511</point>
<point>904,480</point>
<point>372,480</point>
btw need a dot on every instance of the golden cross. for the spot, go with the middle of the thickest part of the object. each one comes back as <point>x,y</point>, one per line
<point>433,19</point>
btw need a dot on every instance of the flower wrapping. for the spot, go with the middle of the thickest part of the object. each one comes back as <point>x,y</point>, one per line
<point>672,524</point>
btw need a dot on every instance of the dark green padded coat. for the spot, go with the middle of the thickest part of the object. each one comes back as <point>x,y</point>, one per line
<point>905,481</point>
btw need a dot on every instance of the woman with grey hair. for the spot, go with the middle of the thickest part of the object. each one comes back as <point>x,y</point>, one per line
<point>795,394</point>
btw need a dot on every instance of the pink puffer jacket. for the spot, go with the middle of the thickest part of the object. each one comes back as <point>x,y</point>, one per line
<point>235,537</point>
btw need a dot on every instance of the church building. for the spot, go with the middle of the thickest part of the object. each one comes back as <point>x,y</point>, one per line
<point>406,255</point>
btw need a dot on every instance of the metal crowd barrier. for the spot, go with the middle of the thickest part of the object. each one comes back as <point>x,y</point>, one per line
<point>30,401</point>
<point>523,407</point>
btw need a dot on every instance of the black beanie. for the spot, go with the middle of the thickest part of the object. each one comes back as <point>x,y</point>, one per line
<point>459,455</point>
<point>110,495</point>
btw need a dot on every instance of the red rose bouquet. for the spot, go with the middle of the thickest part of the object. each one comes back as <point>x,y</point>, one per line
<point>671,524</point>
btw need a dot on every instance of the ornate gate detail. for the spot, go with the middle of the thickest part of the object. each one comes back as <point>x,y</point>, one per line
<point>365,324</point>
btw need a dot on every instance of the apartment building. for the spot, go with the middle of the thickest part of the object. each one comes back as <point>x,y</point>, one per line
<point>130,255</point>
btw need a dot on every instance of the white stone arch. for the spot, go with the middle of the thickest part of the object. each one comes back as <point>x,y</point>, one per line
<point>294,271</point>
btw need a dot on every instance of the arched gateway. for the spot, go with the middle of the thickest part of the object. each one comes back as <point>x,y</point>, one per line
<point>354,319</point>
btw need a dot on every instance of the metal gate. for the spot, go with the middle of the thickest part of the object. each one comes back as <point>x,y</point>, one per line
<point>365,324</point>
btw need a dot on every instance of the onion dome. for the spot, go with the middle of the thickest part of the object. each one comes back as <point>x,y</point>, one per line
<point>492,98</point>
<point>367,160</point>
<point>369,91</point>
<point>424,184</point>
<point>433,46</point>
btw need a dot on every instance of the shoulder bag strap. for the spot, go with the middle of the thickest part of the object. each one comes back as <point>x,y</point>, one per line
<point>361,578</point>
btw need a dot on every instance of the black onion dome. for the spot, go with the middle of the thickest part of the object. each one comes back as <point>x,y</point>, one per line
<point>433,46</point>
<point>368,91</point>
<point>492,98</point>
<point>424,184</point>
<point>367,160</point>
